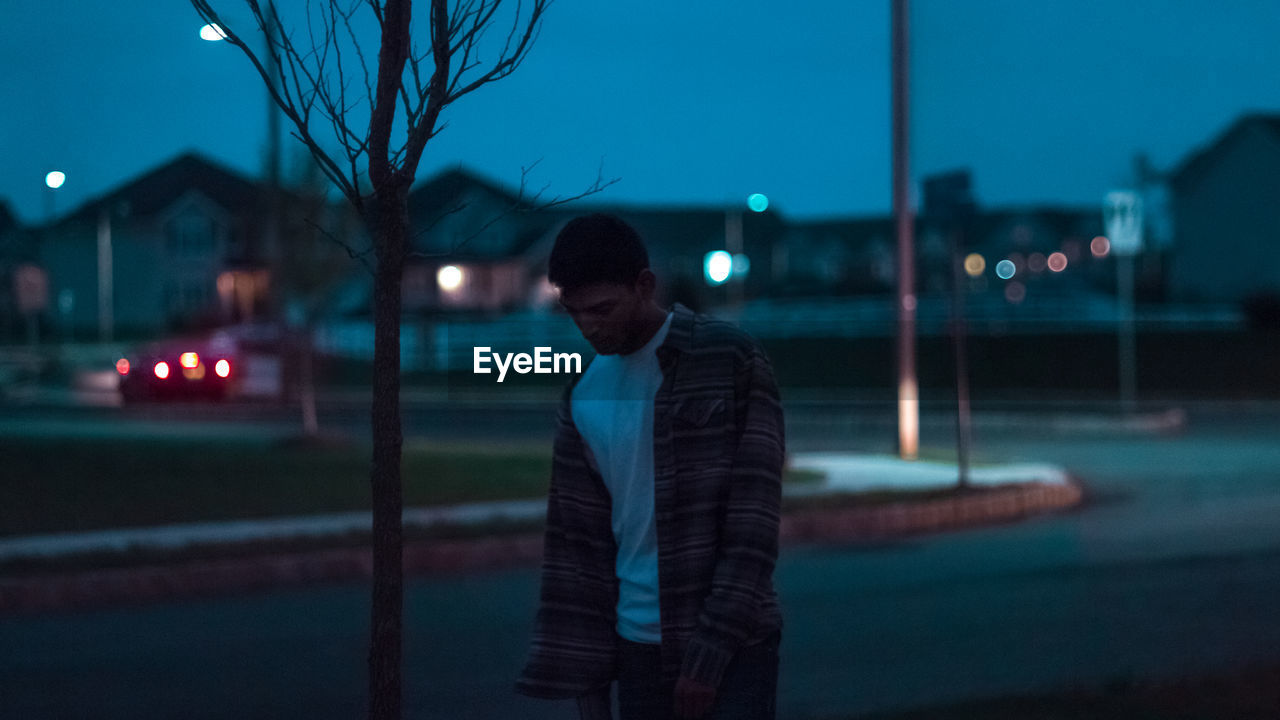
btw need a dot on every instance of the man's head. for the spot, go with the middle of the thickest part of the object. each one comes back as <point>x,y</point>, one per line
<point>602,271</point>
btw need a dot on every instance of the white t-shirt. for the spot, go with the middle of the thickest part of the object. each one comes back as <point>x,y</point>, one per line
<point>612,406</point>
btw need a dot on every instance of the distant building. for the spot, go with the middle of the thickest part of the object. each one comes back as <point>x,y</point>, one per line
<point>495,244</point>
<point>185,247</point>
<point>23,295</point>
<point>1226,215</point>
<point>483,234</point>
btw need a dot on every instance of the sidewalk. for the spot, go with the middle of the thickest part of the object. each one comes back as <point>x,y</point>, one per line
<point>1001,494</point>
<point>844,474</point>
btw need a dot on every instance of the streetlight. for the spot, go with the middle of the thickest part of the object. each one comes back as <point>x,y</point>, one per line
<point>212,32</point>
<point>53,181</point>
<point>734,261</point>
<point>904,219</point>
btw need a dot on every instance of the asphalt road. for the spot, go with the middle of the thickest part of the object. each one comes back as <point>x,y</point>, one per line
<point>1174,569</point>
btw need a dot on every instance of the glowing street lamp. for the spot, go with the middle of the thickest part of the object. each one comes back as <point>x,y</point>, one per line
<point>717,266</point>
<point>449,278</point>
<point>212,33</point>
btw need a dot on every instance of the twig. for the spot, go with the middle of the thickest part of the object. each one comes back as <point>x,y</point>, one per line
<point>361,255</point>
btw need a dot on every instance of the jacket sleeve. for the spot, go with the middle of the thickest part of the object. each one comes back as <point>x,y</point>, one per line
<point>573,645</point>
<point>749,541</point>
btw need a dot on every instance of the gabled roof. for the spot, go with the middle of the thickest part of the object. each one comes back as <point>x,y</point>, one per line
<point>158,188</point>
<point>1199,160</point>
<point>456,190</point>
<point>445,190</point>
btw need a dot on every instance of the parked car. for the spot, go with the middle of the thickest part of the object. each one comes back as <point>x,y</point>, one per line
<point>190,369</point>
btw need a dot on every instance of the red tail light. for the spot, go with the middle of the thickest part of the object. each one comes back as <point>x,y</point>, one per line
<point>122,366</point>
<point>222,368</point>
<point>162,370</point>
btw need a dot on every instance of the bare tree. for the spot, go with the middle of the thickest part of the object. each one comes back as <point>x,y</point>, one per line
<point>346,110</point>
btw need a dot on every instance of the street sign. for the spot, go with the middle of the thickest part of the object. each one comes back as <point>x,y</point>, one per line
<point>1122,215</point>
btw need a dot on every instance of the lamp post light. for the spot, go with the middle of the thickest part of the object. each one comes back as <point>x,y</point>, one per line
<point>53,181</point>
<point>733,259</point>
<point>904,217</point>
<point>212,32</point>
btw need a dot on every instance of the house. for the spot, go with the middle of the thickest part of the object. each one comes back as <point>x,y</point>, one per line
<point>23,296</point>
<point>472,246</point>
<point>179,246</point>
<point>1226,215</point>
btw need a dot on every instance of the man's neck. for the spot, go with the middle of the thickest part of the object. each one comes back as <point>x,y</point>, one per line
<point>651,323</point>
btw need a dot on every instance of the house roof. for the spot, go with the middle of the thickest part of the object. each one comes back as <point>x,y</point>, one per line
<point>1196,163</point>
<point>159,187</point>
<point>441,193</point>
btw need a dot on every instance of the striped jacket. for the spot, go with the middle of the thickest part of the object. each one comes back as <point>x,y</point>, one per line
<point>718,452</point>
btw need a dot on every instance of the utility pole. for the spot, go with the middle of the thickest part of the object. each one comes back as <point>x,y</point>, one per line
<point>949,207</point>
<point>908,389</point>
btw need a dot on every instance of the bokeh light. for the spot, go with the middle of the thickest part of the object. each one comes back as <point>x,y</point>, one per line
<point>741,265</point>
<point>1015,292</point>
<point>449,277</point>
<point>222,368</point>
<point>1100,246</point>
<point>758,202</point>
<point>122,366</point>
<point>717,266</point>
<point>55,179</point>
<point>1036,262</point>
<point>162,370</point>
<point>1005,269</point>
<point>1057,262</point>
<point>974,264</point>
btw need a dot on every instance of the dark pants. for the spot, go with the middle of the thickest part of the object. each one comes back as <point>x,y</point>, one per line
<point>748,691</point>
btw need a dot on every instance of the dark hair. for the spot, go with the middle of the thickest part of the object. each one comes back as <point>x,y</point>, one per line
<point>596,248</point>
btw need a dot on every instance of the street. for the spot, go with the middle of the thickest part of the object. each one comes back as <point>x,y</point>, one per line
<point>1172,569</point>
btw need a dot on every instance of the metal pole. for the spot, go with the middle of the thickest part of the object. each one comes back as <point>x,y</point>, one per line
<point>908,390</point>
<point>733,244</point>
<point>106,285</point>
<point>1127,344</point>
<point>964,424</point>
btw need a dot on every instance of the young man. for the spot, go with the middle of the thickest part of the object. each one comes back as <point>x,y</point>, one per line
<point>663,510</point>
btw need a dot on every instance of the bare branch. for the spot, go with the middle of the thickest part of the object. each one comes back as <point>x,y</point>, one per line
<point>436,95</point>
<point>391,60</point>
<point>510,59</point>
<point>361,255</point>
<point>351,33</point>
<point>519,204</point>
<point>279,90</point>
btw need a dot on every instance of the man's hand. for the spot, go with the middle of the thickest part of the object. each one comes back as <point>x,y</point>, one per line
<point>693,699</point>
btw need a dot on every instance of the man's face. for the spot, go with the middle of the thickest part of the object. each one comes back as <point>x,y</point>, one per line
<point>608,314</point>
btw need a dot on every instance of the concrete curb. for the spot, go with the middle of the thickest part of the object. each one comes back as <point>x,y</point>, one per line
<point>994,506</point>
<point>197,579</point>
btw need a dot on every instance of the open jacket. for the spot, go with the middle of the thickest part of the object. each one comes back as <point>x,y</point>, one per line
<point>718,453</point>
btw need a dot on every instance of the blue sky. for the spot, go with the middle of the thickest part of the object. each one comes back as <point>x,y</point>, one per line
<point>687,102</point>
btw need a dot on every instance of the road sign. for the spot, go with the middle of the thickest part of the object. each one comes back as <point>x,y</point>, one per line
<point>1122,214</point>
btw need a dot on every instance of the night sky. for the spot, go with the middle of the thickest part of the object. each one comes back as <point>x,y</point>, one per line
<point>700,102</point>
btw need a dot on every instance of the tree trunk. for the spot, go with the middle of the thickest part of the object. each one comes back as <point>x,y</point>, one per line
<point>390,228</point>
